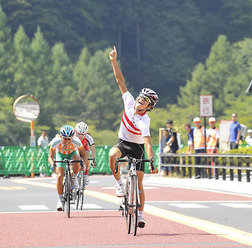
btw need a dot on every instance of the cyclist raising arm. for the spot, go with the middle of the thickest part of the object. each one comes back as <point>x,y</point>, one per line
<point>81,131</point>
<point>134,133</point>
<point>65,147</point>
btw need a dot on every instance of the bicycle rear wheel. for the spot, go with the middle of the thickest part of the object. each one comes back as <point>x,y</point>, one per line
<point>67,193</point>
<point>134,205</point>
<point>77,199</point>
<point>82,189</point>
<point>126,206</point>
<point>78,192</point>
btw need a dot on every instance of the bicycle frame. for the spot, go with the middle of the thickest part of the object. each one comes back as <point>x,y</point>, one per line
<point>131,201</point>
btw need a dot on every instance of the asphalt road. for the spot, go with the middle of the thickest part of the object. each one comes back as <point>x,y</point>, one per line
<point>181,213</point>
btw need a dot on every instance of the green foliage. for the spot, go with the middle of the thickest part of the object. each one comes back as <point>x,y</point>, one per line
<point>99,93</point>
<point>58,51</point>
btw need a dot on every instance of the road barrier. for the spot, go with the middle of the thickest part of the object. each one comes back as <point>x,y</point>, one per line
<point>214,165</point>
<point>29,161</point>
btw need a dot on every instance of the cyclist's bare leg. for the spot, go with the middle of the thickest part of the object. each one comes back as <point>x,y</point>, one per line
<point>140,175</point>
<point>60,175</point>
<point>86,161</point>
<point>113,154</point>
<point>76,166</point>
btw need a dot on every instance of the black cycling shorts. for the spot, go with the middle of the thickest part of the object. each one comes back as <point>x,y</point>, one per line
<point>132,149</point>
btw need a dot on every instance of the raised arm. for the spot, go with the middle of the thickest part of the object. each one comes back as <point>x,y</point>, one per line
<point>117,72</point>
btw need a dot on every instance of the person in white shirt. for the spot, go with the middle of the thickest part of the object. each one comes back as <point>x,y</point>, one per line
<point>134,133</point>
<point>249,137</point>
<point>43,140</point>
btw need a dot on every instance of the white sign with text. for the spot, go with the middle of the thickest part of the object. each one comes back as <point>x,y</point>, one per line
<point>206,105</point>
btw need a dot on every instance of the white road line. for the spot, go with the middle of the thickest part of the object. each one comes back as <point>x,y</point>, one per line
<point>33,207</point>
<point>197,201</point>
<point>188,205</point>
<point>89,206</point>
<point>144,188</point>
<point>236,205</point>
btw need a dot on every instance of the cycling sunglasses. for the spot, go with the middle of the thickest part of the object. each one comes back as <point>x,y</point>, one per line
<point>68,139</point>
<point>146,99</point>
<point>81,134</point>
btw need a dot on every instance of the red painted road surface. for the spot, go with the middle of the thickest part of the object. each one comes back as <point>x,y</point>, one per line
<point>107,228</point>
<point>100,229</point>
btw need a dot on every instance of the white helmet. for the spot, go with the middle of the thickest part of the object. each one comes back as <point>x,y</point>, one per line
<point>81,128</point>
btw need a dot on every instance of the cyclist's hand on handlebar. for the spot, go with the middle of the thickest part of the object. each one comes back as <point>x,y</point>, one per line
<point>53,167</point>
<point>153,169</point>
<point>94,164</point>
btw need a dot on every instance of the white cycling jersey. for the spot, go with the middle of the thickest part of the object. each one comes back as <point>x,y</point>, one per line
<point>89,138</point>
<point>133,127</point>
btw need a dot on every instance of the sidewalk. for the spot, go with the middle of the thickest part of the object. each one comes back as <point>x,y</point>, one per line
<point>221,186</point>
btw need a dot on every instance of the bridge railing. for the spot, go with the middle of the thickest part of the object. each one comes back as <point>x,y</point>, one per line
<point>34,160</point>
<point>210,165</point>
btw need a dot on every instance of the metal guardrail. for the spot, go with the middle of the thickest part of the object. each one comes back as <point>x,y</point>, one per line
<point>33,160</point>
<point>210,165</point>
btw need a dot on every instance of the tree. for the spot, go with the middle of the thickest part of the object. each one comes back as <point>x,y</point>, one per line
<point>6,86</point>
<point>22,66</point>
<point>100,96</point>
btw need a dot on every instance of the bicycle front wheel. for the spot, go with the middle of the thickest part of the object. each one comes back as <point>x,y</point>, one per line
<point>134,205</point>
<point>126,206</point>
<point>67,193</point>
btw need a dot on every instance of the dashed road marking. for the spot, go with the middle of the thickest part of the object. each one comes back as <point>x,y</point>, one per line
<point>12,188</point>
<point>236,205</point>
<point>188,205</point>
<point>89,206</point>
<point>33,207</point>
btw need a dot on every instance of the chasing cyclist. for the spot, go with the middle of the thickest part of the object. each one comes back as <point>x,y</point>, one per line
<point>134,133</point>
<point>65,146</point>
<point>81,131</point>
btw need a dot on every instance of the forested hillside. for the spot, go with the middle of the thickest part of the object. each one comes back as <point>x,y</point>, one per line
<point>58,52</point>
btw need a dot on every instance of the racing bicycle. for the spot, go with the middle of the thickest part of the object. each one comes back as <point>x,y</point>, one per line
<point>79,200</point>
<point>131,202</point>
<point>68,192</point>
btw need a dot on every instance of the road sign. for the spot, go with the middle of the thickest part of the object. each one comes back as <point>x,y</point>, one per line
<point>26,108</point>
<point>206,105</point>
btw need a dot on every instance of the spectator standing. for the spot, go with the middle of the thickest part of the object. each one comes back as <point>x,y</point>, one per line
<point>234,132</point>
<point>189,129</point>
<point>43,140</point>
<point>170,141</point>
<point>249,137</point>
<point>213,137</point>
<point>199,144</point>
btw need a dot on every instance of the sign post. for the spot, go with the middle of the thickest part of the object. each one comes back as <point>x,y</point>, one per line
<point>206,110</point>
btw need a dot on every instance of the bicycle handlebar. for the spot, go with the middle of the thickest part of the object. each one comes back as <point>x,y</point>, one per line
<point>68,161</point>
<point>134,160</point>
<point>93,163</point>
